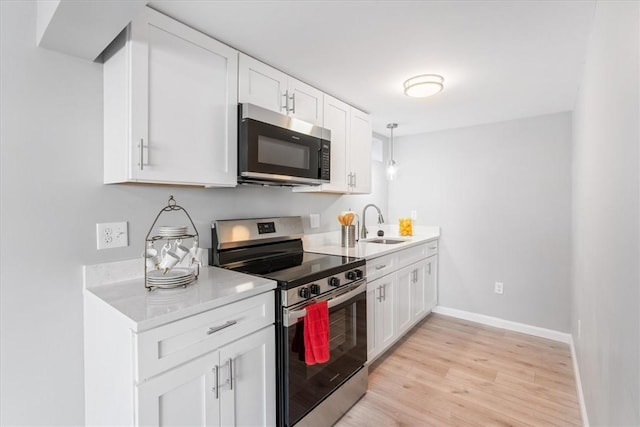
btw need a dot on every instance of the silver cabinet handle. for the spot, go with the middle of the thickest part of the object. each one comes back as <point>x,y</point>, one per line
<point>381,266</point>
<point>285,107</point>
<point>293,103</point>
<point>433,247</point>
<point>216,376</point>
<point>429,269</point>
<point>383,293</point>
<point>141,147</point>
<point>215,329</point>
<point>379,293</point>
<point>230,380</point>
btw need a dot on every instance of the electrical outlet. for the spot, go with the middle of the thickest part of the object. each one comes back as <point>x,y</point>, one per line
<point>414,215</point>
<point>112,235</point>
<point>314,220</point>
<point>498,288</point>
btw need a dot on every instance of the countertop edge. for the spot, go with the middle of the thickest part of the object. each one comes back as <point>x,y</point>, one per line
<point>329,243</point>
<point>129,301</point>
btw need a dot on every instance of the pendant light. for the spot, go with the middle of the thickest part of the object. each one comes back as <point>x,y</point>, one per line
<point>391,164</point>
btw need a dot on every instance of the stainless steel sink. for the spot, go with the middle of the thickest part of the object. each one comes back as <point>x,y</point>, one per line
<point>384,241</point>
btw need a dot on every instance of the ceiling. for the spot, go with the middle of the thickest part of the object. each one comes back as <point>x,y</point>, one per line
<point>501,60</point>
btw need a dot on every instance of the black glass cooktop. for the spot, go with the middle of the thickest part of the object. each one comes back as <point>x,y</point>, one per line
<point>291,270</point>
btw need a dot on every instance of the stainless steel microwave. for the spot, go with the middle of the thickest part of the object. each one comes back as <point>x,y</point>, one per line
<point>276,149</point>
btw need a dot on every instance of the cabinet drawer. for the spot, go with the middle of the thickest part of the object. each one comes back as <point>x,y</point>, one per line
<point>411,255</point>
<point>432,248</point>
<point>170,345</point>
<point>378,267</point>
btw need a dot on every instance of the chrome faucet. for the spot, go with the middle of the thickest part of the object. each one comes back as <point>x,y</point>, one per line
<point>364,231</point>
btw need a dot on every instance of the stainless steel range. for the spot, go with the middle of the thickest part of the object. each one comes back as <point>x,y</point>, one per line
<point>316,394</point>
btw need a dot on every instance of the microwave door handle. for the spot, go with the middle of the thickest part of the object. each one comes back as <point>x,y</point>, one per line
<point>297,314</point>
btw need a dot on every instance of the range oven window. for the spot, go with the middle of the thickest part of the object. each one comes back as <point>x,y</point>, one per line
<point>310,384</point>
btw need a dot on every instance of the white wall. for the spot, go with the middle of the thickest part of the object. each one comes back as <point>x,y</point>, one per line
<point>501,193</point>
<point>606,215</point>
<point>52,197</point>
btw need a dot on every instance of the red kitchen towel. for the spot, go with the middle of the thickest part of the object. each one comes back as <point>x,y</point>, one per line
<point>316,333</point>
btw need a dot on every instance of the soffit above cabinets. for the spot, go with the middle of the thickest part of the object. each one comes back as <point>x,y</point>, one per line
<point>82,28</point>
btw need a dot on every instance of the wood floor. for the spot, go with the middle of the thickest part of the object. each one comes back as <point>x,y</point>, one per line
<point>451,372</point>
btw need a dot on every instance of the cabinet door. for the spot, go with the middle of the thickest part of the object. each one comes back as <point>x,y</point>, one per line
<point>305,102</point>
<point>372,322</point>
<point>182,396</point>
<point>183,104</point>
<point>431,283</point>
<point>404,293</point>
<point>261,85</point>
<point>248,391</point>
<point>360,152</point>
<point>418,290</point>
<point>336,119</point>
<point>385,316</point>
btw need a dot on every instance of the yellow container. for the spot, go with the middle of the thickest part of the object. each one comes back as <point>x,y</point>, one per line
<point>406,226</point>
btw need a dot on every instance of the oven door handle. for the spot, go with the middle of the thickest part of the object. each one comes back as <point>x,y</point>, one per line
<point>297,314</point>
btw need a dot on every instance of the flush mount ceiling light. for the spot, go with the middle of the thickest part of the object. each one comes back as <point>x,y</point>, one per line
<point>423,85</point>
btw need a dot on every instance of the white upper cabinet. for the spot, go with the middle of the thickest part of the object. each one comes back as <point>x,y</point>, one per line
<point>360,152</point>
<point>351,137</point>
<point>337,119</point>
<point>170,105</point>
<point>267,87</point>
<point>261,85</point>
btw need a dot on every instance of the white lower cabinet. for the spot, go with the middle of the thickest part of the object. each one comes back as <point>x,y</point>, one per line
<point>430,275</point>
<point>381,310</point>
<point>215,389</point>
<point>401,292</point>
<point>404,294</point>
<point>213,368</point>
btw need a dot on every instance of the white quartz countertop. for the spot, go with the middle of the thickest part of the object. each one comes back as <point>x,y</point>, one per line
<point>329,243</point>
<point>111,283</point>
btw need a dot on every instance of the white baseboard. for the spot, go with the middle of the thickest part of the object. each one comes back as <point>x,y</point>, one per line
<point>525,329</point>
<point>504,324</point>
<point>576,370</point>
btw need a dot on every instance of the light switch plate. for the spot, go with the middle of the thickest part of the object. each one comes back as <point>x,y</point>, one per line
<point>314,220</point>
<point>112,235</point>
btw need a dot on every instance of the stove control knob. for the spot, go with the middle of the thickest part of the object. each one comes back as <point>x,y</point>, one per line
<point>334,281</point>
<point>359,273</point>
<point>351,275</point>
<point>304,292</point>
<point>315,289</point>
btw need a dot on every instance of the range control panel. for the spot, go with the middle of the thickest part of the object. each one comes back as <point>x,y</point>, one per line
<point>311,290</point>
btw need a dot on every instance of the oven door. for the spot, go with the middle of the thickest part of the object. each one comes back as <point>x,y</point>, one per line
<point>268,153</point>
<point>308,385</point>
